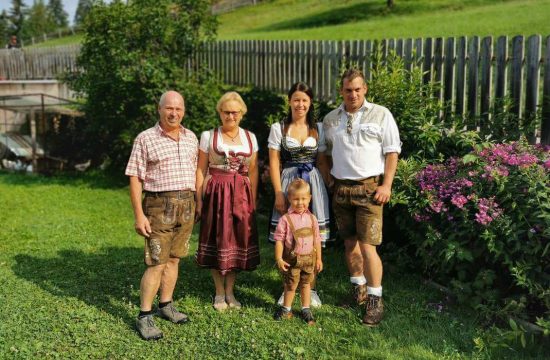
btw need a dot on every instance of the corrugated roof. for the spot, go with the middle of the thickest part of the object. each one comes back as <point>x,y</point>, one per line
<point>29,102</point>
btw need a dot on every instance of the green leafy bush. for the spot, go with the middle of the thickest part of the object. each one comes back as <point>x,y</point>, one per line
<point>481,224</point>
<point>130,55</point>
<point>417,112</point>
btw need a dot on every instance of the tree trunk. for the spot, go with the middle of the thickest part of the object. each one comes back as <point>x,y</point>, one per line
<point>389,3</point>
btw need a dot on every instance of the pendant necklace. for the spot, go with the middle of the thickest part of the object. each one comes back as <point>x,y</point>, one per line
<point>232,138</point>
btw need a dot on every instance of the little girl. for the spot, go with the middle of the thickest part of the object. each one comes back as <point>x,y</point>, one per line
<point>298,250</point>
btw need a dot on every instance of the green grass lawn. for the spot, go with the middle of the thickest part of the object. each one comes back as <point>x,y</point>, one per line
<point>368,19</point>
<point>66,40</point>
<point>70,266</point>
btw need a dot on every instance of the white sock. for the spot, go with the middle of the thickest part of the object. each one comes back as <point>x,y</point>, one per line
<point>303,308</point>
<point>287,308</point>
<point>374,291</point>
<point>358,280</point>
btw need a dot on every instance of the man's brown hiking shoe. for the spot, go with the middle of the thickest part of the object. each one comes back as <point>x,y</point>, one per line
<point>374,311</point>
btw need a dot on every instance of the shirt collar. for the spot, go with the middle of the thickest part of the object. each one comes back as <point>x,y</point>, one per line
<point>366,105</point>
<point>161,131</point>
<point>292,211</point>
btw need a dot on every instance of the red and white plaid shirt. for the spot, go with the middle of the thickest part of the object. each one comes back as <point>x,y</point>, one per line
<point>162,163</point>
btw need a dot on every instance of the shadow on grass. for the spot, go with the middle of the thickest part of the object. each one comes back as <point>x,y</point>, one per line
<point>344,15</point>
<point>108,279</point>
<point>93,179</point>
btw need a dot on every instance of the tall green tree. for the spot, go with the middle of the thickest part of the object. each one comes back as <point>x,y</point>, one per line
<point>58,14</point>
<point>17,16</point>
<point>4,27</point>
<point>39,20</point>
<point>82,9</point>
<point>130,55</point>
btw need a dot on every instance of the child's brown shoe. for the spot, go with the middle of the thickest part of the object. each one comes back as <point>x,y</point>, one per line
<point>307,316</point>
<point>282,314</point>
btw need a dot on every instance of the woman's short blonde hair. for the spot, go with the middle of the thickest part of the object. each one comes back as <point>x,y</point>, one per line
<point>231,96</point>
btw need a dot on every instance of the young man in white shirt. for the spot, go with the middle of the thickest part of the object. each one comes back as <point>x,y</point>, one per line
<point>363,145</point>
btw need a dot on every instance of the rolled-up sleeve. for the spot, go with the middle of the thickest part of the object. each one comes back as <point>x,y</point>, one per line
<point>391,142</point>
<point>282,230</point>
<point>137,164</point>
<point>275,136</point>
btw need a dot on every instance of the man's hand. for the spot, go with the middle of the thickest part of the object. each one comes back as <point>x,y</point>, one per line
<point>142,226</point>
<point>382,194</point>
<point>198,211</point>
<point>282,265</point>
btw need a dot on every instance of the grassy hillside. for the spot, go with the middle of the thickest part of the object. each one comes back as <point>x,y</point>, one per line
<point>370,19</point>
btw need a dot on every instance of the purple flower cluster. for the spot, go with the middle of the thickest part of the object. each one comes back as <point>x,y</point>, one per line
<point>461,187</point>
<point>488,211</point>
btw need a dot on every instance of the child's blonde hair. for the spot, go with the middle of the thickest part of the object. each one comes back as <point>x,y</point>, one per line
<point>297,185</point>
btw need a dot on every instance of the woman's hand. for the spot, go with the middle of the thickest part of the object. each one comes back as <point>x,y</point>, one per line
<point>280,202</point>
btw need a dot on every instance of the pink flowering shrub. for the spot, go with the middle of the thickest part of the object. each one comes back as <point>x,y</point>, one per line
<point>481,224</point>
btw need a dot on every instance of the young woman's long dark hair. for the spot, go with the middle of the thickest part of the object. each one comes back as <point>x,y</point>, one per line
<point>310,116</point>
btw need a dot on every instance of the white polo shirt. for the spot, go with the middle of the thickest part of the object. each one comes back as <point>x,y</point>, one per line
<point>361,154</point>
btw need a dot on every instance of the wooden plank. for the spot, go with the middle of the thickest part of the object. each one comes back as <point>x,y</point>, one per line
<point>367,63</point>
<point>516,88</point>
<point>317,69</point>
<point>337,56</point>
<point>427,64</point>
<point>418,52</point>
<point>327,49</point>
<point>486,56</point>
<point>399,44</point>
<point>448,77</point>
<point>245,51</point>
<point>532,84</point>
<point>408,54</point>
<point>280,66</point>
<point>355,53</point>
<point>501,55</point>
<point>383,50</point>
<point>460,77</point>
<point>438,67</point>
<point>545,129</point>
<point>391,46</point>
<point>473,78</point>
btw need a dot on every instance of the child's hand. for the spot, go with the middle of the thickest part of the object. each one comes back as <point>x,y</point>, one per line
<point>282,265</point>
<point>318,266</point>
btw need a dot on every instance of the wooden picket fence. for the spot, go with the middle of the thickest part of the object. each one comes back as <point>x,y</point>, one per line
<point>473,71</point>
<point>38,63</point>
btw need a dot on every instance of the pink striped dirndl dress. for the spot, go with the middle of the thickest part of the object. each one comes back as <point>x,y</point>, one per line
<point>228,239</point>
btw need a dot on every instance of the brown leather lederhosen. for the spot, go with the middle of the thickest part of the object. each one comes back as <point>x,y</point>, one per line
<point>302,267</point>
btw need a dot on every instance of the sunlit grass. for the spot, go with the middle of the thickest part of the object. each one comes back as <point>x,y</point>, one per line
<point>70,266</point>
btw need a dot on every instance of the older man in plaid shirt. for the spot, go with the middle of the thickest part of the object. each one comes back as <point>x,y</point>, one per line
<point>162,164</point>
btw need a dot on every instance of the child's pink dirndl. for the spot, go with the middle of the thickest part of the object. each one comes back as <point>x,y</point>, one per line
<point>228,237</point>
